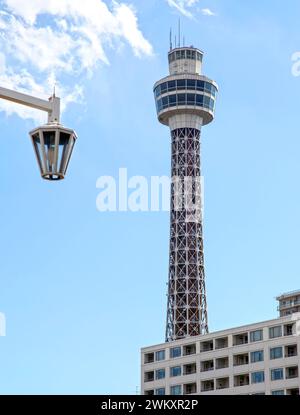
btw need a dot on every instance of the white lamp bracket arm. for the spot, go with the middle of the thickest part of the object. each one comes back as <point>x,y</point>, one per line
<point>52,106</point>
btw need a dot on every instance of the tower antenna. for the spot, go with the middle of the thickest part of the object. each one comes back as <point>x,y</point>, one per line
<point>179,32</point>
<point>171,39</point>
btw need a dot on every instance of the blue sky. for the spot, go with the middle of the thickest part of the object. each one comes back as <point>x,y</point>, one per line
<point>82,291</point>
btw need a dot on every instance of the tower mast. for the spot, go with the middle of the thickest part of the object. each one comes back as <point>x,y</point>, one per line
<point>185,101</point>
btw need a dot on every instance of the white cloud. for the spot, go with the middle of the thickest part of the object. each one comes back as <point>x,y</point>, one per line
<point>45,40</point>
<point>186,7</point>
<point>207,12</point>
<point>183,6</point>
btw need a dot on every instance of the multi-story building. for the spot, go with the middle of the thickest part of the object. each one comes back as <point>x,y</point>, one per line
<point>289,303</point>
<point>261,358</point>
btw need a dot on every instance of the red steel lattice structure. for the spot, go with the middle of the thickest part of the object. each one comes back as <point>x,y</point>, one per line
<point>185,101</point>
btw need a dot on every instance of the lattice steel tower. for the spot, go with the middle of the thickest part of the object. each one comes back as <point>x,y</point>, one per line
<point>185,101</point>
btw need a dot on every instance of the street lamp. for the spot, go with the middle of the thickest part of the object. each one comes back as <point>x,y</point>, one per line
<point>53,143</point>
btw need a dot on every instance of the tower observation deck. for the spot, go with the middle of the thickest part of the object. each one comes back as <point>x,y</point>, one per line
<point>185,101</point>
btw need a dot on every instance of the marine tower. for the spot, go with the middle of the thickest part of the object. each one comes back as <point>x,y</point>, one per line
<point>185,101</point>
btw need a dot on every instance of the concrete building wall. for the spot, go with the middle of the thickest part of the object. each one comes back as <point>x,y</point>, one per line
<point>226,380</point>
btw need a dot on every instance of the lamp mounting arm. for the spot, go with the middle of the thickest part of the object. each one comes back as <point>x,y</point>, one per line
<point>52,106</point>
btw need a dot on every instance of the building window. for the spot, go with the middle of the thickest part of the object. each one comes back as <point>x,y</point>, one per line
<point>160,391</point>
<point>160,374</point>
<point>291,350</point>
<point>149,392</point>
<point>257,356</point>
<point>160,355</point>
<point>257,377</point>
<point>189,369</point>
<point>221,363</point>
<point>277,374</point>
<point>189,349</point>
<point>276,353</point>
<point>207,385</point>
<point>176,390</point>
<point>288,329</point>
<point>175,352</point>
<point>207,365</point>
<point>190,388</point>
<point>221,343</point>
<point>240,359</point>
<point>149,358</point>
<point>175,371</point>
<point>241,380</point>
<point>207,346</point>
<point>279,392</point>
<point>222,383</point>
<point>239,339</point>
<point>291,372</point>
<point>256,336</point>
<point>275,332</point>
<point>149,376</point>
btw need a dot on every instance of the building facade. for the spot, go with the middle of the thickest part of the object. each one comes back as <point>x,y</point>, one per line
<point>289,303</point>
<point>261,358</point>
